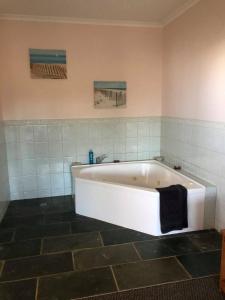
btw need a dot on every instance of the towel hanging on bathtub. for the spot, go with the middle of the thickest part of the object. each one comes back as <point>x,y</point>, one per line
<point>173,208</point>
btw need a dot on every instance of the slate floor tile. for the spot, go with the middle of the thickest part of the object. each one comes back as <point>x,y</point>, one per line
<point>6,236</point>
<point>76,284</point>
<point>27,207</point>
<point>181,245</point>
<point>92,225</point>
<point>27,202</point>
<point>20,249</point>
<point>153,249</point>
<point>72,242</point>
<point>36,266</point>
<point>13,222</point>
<point>105,256</point>
<point>151,272</point>
<point>18,290</point>
<point>201,264</point>
<point>184,234</point>
<point>60,204</point>
<point>70,216</point>
<point>30,207</point>
<point>25,233</point>
<point>122,236</point>
<point>207,241</point>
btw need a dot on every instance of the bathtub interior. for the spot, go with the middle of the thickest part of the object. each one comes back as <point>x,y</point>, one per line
<point>145,174</point>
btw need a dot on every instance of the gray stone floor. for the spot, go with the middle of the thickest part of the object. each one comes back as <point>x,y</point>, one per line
<point>48,252</point>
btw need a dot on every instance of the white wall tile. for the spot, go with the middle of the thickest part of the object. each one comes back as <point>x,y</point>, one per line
<point>40,133</point>
<point>131,156</point>
<point>15,168</point>
<point>16,185</point>
<point>13,151</point>
<point>27,150</point>
<point>69,132</point>
<point>143,129</point>
<point>57,181</point>
<point>55,149</point>
<point>41,149</point>
<point>131,129</point>
<point>29,183</point>
<point>12,134</point>
<point>131,145</point>
<point>56,165</point>
<point>119,146</point>
<point>67,162</point>
<point>42,165</point>
<point>67,180</point>
<point>44,182</point>
<point>29,167</point>
<point>69,148</point>
<point>144,155</point>
<point>57,192</point>
<point>54,132</point>
<point>44,193</point>
<point>30,194</point>
<point>26,133</point>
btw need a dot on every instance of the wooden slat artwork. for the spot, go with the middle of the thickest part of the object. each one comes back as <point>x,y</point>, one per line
<point>54,71</point>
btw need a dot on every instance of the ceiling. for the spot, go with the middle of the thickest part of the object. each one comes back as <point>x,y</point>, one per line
<point>139,12</point>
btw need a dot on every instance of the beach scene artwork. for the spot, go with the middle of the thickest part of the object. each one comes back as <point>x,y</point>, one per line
<point>48,64</point>
<point>110,94</point>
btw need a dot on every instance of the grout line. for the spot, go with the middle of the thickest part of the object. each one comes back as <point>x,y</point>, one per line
<point>44,237</point>
<point>3,264</point>
<point>39,276</point>
<point>114,277</point>
<point>135,249</point>
<point>13,235</point>
<point>96,295</point>
<point>37,215</point>
<point>73,260</point>
<point>36,291</point>
<point>42,246</point>
<point>62,235</point>
<point>90,248</point>
<point>101,239</point>
<point>71,232</point>
<point>37,255</point>
<point>181,265</point>
<point>140,287</point>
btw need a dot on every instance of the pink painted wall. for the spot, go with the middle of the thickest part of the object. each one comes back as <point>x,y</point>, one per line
<point>194,63</point>
<point>93,53</point>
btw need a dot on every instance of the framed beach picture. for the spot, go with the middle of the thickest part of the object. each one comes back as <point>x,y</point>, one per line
<point>48,64</point>
<point>110,94</point>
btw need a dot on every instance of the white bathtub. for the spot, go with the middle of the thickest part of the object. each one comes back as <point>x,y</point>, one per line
<point>124,194</point>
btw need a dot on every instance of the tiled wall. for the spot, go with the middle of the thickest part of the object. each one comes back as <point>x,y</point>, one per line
<point>40,152</point>
<point>4,183</point>
<point>199,147</point>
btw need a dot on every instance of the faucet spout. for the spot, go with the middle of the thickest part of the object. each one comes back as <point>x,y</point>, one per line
<point>99,159</point>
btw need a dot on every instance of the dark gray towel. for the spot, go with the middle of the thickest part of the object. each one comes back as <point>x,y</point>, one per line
<point>173,208</point>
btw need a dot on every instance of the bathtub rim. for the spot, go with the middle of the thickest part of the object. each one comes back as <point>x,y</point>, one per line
<point>153,190</point>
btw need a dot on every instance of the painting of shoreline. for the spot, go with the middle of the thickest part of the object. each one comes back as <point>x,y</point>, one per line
<point>48,64</point>
<point>110,94</point>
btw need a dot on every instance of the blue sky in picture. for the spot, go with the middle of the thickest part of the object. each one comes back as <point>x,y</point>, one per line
<point>47,56</point>
<point>121,85</point>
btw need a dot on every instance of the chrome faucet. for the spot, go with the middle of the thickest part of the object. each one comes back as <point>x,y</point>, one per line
<point>100,158</point>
